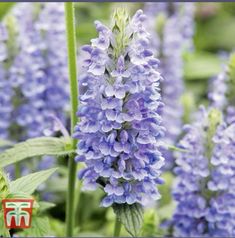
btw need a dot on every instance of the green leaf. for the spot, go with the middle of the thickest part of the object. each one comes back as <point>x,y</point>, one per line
<point>131,216</point>
<point>43,206</point>
<point>40,227</point>
<point>4,232</point>
<point>29,183</point>
<point>5,143</point>
<point>34,147</point>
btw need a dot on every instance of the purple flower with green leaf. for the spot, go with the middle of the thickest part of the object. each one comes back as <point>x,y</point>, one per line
<point>120,127</point>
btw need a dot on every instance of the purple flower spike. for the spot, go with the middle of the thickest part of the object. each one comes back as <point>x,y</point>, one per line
<point>221,90</point>
<point>33,74</point>
<point>6,106</point>
<point>175,35</point>
<point>119,126</point>
<point>205,186</point>
<point>39,70</point>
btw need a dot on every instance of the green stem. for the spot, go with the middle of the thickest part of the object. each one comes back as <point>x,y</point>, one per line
<point>72,64</point>
<point>17,170</point>
<point>78,196</point>
<point>117,228</point>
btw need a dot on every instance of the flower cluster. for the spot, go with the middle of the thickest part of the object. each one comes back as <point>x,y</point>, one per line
<point>5,89</point>
<point>205,188</point>
<point>38,73</point>
<point>217,90</point>
<point>33,74</point>
<point>120,128</point>
<point>175,36</point>
<point>221,91</point>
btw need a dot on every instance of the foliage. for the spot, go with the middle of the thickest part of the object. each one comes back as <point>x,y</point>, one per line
<point>131,216</point>
<point>29,183</point>
<point>39,228</point>
<point>35,147</point>
<point>23,188</point>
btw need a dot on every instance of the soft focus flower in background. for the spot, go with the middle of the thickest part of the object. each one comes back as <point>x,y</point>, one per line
<point>204,189</point>
<point>217,90</point>
<point>172,28</point>
<point>38,73</point>
<point>5,98</point>
<point>120,127</point>
<point>34,77</point>
<point>222,90</point>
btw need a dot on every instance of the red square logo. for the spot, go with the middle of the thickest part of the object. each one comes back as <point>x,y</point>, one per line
<point>17,212</point>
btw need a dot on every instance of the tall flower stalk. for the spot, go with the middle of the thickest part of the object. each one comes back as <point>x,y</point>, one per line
<point>120,128</point>
<point>205,179</point>
<point>222,90</point>
<point>72,62</point>
<point>172,27</point>
<point>33,73</point>
<point>6,107</point>
<point>38,73</point>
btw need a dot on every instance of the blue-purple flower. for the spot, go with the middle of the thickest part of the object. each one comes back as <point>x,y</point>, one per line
<point>217,91</point>
<point>204,190</point>
<point>120,128</point>
<point>221,90</point>
<point>6,107</point>
<point>38,73</point>
<point>170,39</point>
<point>33,74</point>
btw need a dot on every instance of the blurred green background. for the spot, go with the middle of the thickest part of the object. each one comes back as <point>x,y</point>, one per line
<point>214,38</point>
